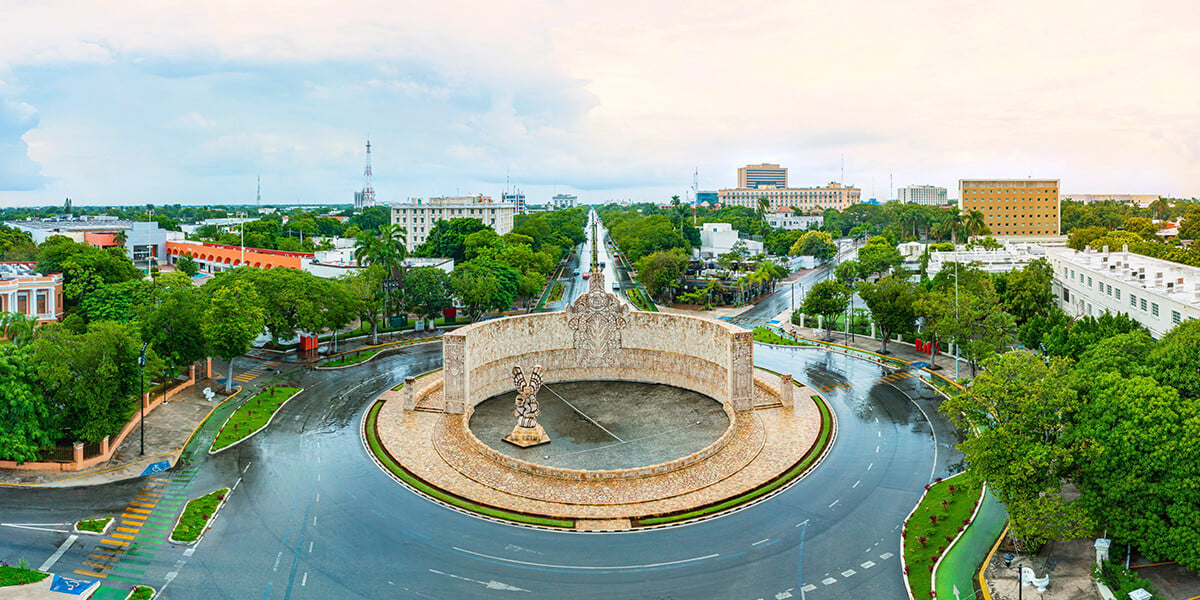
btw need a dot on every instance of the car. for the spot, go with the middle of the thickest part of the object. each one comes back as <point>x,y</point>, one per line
<point>586,275</point>
<point>576,272</point>
<point>616,286</point>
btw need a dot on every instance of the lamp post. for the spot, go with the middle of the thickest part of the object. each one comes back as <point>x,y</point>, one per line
<point>142,397</point>
<point>1008,559</point>
<point>957,349</point>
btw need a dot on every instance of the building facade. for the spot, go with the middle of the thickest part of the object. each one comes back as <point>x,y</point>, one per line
<point>762,176</point>
<point>719,238</point>
<point>928,195</point>
<point>783,218</point>
<point>517,199</point>
<point>564,201</point>
<point>834,195</point>
<point>1157,293</point>
<point>215,258</point>
<point>24,291</point>
<point>711,198</point>
<point>420,215</point>
<point>1014,207</point>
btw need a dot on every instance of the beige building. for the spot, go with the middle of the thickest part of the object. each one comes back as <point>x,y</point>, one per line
<point>419,215</point>
<point>834,195</point>
<point>761,176</point>
<point>1014,207</point>
<point>24,291</point>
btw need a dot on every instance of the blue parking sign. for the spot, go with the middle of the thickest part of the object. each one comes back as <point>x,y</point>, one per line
<point>66,585</point>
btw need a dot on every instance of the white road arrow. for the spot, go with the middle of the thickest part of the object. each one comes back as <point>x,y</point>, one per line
<point>491,585</point>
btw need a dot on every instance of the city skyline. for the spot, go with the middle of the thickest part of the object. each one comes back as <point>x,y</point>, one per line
<point>190,104</point>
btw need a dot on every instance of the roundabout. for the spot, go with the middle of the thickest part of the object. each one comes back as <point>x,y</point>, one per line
<point>638,429</point>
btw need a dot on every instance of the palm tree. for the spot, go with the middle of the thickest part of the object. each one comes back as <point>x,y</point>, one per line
<point>388,249</point>
<point>764,205</point>
<point>17,327</point>
<point>1159,208</point>
<point>974,224</point>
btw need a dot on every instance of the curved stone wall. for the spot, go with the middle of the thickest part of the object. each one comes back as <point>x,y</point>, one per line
<point>709,357</point>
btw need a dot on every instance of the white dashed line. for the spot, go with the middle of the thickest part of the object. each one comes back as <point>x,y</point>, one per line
<point>762,541</point>
<point>886,555</point>
<point>835,502</point>
<point>829,581</point>
<point>808,588</point>
<point>314,520</point>
<point>856,483</point>
<point>247,467</point>
<point>869,466</point>
<point>304,581</point>
<point>310,547</point>
<point>867,565</point>
<point>848,572</point>
<point>876,449</point>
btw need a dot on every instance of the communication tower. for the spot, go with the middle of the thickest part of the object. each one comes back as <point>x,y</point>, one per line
<point>367,196</point>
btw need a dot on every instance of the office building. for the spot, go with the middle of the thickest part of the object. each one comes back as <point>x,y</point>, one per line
<point>834,195</point>
<point>564,201</point>
<point>764,176</point>
<point>719,238</point>
<point>517,199</point>
<point>1157,293</point>
<point>1014,207</point>
<point>708,198</point>
<point>928,195</point>
<point>418,216</point>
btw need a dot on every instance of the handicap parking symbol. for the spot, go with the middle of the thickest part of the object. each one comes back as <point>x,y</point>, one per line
<point>157,467</point>
<point>66,585</point>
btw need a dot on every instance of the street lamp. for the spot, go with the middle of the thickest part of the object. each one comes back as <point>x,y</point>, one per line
<point>142,396</point>
<point>1008,559</point>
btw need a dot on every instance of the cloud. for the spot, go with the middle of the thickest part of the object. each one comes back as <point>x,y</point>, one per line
<point>18,172</point>
<point>192,121</point>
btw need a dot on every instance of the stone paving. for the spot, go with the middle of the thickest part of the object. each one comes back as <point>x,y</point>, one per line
<point>766,443</point>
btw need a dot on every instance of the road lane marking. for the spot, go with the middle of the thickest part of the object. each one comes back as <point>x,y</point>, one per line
<point>869,466</point>
<point>835,502</point>
<point>829,581</point>
<point>867,565</point>
<point>304,580</point>
<point>585,568</point>
<point>58,553</point>
<point>856,483</point>
<point>848,572</point>
<point>762,541</point>
<point>886,555</point>
<point>14,525</point>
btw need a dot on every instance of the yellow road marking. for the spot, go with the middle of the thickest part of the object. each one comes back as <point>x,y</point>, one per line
<point>128,529</point>
<point>142,504</point>
<point>122,536</point>
<point>91,574</point>
<point>139,511</point>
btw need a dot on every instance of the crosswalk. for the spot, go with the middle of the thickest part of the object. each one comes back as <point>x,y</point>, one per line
<point>118,555</point>
<point>845,385</point>
<point>252,374</point>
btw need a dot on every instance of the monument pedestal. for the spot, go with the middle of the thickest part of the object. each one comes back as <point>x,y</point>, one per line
<point>526,437</point>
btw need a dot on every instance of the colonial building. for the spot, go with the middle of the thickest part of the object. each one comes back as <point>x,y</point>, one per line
<point>419,216</point>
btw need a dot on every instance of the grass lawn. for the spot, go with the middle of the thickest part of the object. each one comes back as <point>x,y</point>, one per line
<point>141,592</point>
<point>640,300</point>
<point>378,451</point>
<point>20,576</point>
<point>352,359</point>
<point>94,525</point>
<point>556,293</point>
<point>795,471</point>
<point>195,516</point>
<point>951,511</point>
<point>252,415</point>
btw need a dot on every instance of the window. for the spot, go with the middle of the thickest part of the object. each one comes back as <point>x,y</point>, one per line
<point>1143,304</point>
<point>1154,308</point>
<point>1133,300</point>
<point>1176,317</point>
<point>1118,293</point>
<point>41,303</point>
<point>1089,285</point>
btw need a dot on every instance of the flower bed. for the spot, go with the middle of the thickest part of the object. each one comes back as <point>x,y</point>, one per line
<point>96,526</point>
<point>253,416</point>
<point>766,336</point>
<point>196,516</point>
<point>944,511</point>
<point>141,592</point>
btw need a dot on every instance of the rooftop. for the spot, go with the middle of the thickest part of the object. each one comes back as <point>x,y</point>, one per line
<point>1152,274</point>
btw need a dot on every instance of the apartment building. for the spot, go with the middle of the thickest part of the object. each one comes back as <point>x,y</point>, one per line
<point>1014,207</point>
<point>928,195</point>
<point>1157,293</point>
<point>419,215</point>
<point>834,195</point>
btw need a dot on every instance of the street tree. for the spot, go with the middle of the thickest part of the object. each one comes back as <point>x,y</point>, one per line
<point>827,298</point>
<point>878,255</point>
<point>817,244</point>
<point>483,286</point>
<point>427,291</point>
<point>1026,292</point>
<point>891,301</point>
<point>1016,418</point>
<point>174,324</point>
<point>233,318</point>
<point>187,265</point>
<point>29,421</point>
<point>660,272</point>
<point>448,238</point>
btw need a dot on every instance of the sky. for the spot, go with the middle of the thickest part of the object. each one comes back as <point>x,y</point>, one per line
<point>133,102</point>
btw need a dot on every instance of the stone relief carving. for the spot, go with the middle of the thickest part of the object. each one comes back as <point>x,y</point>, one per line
<point>527,432</point>
<point>597,318</point>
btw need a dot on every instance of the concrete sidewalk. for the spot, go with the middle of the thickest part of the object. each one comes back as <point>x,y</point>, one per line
<point>168,428</point>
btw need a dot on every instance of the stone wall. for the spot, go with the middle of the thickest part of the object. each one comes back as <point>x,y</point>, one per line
<point>709,357</point>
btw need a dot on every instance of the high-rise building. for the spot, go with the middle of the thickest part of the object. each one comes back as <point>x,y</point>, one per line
<point>928,195</point>
<point>515,198</point>
<point>709,197</point>
<point>761,176</point>
<point>418,216</point>
<point>834,195</point>
<point>1014,207</point>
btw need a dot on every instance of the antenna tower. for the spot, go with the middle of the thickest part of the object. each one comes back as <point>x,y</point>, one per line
<point>368,192</point>
<point>258,194</point>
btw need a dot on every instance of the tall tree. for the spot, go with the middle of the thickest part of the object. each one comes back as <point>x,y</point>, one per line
<point>891,303</point>
<point>1175,361</point>
<point>427,291</point>
<point>448,238</point>
<point>826,298</point>
<point>29,422</point>
<point>1016,418</point>
<point>483,286</point>
<point>174,325</point>
<point>233,319</point>
<point>661,271</point>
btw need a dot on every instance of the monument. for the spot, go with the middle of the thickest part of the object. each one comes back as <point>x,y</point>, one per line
<point>528,432</point>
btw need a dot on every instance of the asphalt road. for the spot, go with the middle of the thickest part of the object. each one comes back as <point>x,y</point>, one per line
<point>313,517</point>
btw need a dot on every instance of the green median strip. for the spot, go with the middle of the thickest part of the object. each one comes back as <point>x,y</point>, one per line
<point>813,454</point>
<point>253,415</point>
<point>406,477</point>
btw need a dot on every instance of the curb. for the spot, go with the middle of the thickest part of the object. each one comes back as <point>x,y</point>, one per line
<point>385,348</point>
<point>252,433</point>
<point>153,592</point>
<point>76,529</point>
<point>207,524</point>
<point>903,539</point>
<point>987,594</point>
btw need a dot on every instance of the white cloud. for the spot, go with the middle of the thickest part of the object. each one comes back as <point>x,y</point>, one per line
<point>192,121</point>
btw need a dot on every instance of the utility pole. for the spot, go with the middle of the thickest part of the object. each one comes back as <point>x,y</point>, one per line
<point>957,350</point>
<point>142,396</point>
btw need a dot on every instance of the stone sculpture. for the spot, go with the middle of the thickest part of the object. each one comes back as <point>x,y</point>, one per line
<point>597,318</point>
<point>528,431</point>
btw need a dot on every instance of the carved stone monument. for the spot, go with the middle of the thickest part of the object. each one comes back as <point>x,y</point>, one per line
<point>528,431</point>
<point>597,318</point>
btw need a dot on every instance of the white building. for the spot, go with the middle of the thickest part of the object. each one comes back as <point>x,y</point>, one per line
<point>419,215</point>
<point>564,201</point>
<point>928,195</point>
<point>1141,200</point>
<point>785,219</point>
<point>718,238</point>
<point>1157,293</point>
